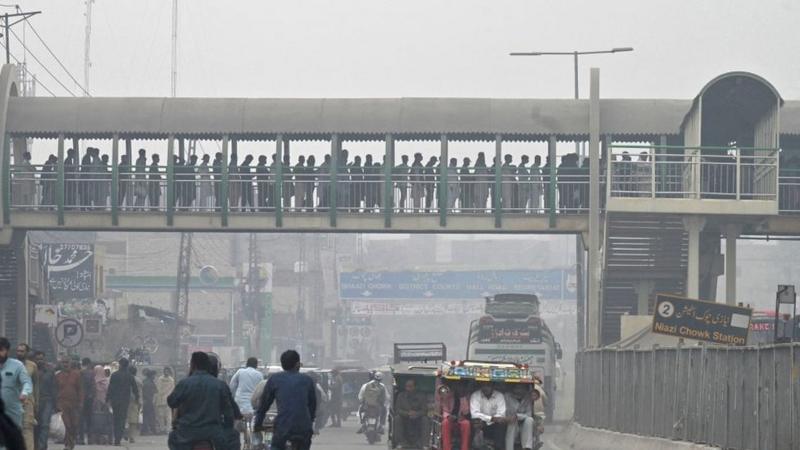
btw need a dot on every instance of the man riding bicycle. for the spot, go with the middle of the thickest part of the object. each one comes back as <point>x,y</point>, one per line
<point>297,405</point>
<point>242,385</point>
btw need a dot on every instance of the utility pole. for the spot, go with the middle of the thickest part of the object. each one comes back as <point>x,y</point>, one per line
<point>174,74</point>
<point>8,22</point>
<point>182,294</point>
<point>87,46</point>
<point>253,308</point>
<point>580,297</point>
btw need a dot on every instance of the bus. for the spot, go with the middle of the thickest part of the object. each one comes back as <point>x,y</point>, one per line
<point>512,330</point>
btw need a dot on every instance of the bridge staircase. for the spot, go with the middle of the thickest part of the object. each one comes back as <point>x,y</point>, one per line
<point>640,247</point>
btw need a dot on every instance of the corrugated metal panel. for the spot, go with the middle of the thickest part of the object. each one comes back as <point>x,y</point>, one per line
<point>318,118</point>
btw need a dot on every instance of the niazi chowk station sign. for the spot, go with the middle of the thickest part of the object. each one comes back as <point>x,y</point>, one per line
<point>700,320</point>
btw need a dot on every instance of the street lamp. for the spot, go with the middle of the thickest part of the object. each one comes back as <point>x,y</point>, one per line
<point>575,55</point>
<point>579,260</point>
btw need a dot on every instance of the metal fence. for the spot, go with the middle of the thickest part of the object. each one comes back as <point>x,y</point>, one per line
<point>731,397</point>
<point>693,172</point>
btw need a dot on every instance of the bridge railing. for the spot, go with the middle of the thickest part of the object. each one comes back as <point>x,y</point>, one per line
<point>789,191</point>
<point>179,189</point>
<point>728,397</point>
<point>729,173</point>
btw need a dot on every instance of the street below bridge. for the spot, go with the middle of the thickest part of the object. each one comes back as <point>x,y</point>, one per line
<point>344,438</point>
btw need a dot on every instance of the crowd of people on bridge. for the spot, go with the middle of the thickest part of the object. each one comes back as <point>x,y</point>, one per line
<point>306,186</point>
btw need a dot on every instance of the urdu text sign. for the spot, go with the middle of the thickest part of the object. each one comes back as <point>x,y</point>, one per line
<point>702,321</point>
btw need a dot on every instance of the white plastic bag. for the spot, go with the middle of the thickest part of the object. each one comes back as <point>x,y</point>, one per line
<point>57,429</point>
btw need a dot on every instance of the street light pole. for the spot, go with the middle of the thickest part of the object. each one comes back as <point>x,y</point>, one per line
<point>580,298</point>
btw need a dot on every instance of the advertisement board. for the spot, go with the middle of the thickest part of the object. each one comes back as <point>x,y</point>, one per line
<point>69,270</point>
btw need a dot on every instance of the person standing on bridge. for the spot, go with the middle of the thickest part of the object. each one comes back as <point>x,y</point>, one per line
<point>234,186</point>
<point>300,183</point>
<point>311,173</point>
<point>535,193</point>
<point>400,175</point>
<point>431,170</point>
<point>481,184</point>
<point>288,186</point>
<point>262,180</point>
<point>49,181</point>
<point>206,194</point>
<point>323,189</point>
<point>453,186</point>
<point>217,169</point>
<point>140,188</point>
<point>154,189</point>
<point>509,183</point>
<point>246,180</point>
<point>417,178</point>
<point>523,186</point>
<point>124,170</point>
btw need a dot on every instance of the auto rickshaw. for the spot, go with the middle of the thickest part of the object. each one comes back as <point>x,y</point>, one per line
<point>416,365</point>
<point>464,378</point>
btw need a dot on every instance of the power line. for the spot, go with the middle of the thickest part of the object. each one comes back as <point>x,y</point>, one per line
<point>39,82</point>
<point>30,24</point>
<point>42,65</point>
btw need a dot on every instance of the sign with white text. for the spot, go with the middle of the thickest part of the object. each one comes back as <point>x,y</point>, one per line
<point>700,320</point>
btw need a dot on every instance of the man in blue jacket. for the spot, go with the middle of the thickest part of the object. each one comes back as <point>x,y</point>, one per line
<point>297,404</point>
<point>201,402</point>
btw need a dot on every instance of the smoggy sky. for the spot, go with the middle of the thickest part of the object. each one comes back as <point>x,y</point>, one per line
<point>449,48</point>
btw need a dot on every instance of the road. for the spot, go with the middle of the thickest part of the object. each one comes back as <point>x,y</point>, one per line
<point>330,439</point>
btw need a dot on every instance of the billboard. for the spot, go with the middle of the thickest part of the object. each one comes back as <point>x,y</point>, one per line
<point>69,270</point>
<point>549,284</point>
<point>700,320</point>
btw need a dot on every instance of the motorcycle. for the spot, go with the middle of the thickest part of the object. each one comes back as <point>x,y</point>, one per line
<point>371,423</point>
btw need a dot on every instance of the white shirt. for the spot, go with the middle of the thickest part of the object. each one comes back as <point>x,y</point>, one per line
<point>484,408</point>
<point>243,384</point>
<point>387,401</point>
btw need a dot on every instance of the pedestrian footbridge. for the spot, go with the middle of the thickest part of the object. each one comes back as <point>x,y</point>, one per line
<point>662,179</point>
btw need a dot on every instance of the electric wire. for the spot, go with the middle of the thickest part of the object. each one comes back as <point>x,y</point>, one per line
<point>38,81</point>
<point>30,24</point>
<point>42,64</point>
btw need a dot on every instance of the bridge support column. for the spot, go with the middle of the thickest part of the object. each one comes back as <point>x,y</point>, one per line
<point>693,225</point>
<point>732,233</point>
<point>643,290</point>
<point>594,306</point>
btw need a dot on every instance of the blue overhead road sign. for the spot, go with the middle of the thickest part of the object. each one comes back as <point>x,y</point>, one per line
<point>468,285</point>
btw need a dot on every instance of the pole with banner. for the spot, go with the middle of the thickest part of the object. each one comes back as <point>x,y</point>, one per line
<point>785,304</point>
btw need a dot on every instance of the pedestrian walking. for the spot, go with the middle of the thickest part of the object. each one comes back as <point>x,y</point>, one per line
<point>102,424</point>
<point>134,409</point>
<point>336,384</point>
<point>206,191</point>
<point>164,386</point>
<point>88,388</point>
<point>140,187</point>
<point>16,384</point>
<point>46,401</point>
<point>69,399</point>
<point>122,390</point>
<point>29,405</point>
<point>149,392</point>
<point>154,185</point>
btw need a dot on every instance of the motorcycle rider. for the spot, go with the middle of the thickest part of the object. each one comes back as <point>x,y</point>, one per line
<point>201,403</point>
<point>373,394</point>
<point>297,404</point>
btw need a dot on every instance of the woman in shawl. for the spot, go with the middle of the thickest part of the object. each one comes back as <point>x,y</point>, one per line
<point>101,419</point>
